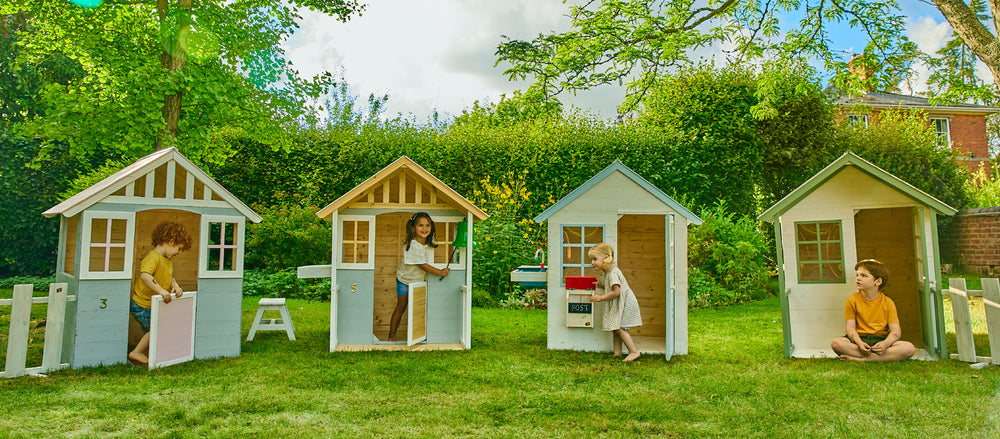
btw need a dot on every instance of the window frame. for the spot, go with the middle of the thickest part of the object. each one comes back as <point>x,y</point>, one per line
<point>370,265</point>
<point>939,135</point>
<point>203,247</point>
<point>86,245</point>
<point>853,118</point>
<point>819,250</point>
<point>583,246</point>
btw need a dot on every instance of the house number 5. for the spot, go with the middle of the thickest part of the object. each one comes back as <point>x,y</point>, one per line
<point>104,302</point>
<point>354,288</point>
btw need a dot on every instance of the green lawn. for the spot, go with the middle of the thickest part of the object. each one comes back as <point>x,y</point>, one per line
<point>734,383</point>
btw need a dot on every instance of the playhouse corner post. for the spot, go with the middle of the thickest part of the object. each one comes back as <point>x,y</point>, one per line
<point>786,326</point>
<point>467,306</point>
<point>334,289</point>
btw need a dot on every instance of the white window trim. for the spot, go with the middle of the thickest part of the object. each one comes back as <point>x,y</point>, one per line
<point>370,265</point>
<point>934,127</point>
<point>582,246</point>
<point>203,239</point>
<point>84,244</point>
<point>462,254</point>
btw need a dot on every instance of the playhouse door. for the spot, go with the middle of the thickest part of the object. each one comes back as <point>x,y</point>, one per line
<point>887,235</point>
<point>642,256</point>
<point>416,314</point>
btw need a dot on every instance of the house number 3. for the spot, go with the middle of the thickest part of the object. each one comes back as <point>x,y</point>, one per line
<point>354,288</point>
<point>104,302</point>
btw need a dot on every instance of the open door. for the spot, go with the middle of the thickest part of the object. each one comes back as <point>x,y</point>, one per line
<point>416,313</point>
<point>171,330</point>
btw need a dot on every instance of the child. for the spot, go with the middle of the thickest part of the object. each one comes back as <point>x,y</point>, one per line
<point>621,310</point>
<point>872,325</point>
<point>418,254</point>
<point>156,271</point>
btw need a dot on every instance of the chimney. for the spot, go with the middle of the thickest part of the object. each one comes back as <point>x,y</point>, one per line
<point>861,72</point>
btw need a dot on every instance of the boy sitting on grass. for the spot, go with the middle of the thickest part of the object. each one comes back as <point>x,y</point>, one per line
<point>872,325</point>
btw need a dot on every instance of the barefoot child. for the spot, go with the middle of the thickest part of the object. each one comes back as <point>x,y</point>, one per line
<point>155,277</point>
<point>621,310</point>
<point>872,324</point>
<point>418,254</point>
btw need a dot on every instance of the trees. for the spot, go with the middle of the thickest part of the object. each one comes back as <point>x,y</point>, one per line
<point>161,73</point>
<point>633,42</point>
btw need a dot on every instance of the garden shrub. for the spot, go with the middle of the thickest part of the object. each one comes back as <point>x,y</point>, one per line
<point>289,236</point>
<point>39,283</point>
<point>728,259</point>
<point>983,190</point>
<point>261,283</point>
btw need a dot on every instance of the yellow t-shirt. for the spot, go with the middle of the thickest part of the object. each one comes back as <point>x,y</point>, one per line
<point>162,270</point>
<point>871,316</point>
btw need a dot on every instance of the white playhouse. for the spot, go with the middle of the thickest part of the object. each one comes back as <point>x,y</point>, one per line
<point>850,211</point>
<point>369,228</point>
<point>104,233</point>
<point>648,230</point>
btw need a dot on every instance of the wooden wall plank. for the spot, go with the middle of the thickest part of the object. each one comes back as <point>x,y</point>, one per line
<point>17,337</point>
<point>963,320</point>
<point>991,301</point>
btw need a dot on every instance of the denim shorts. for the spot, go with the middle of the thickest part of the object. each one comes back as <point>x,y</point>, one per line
<point>141,314</point>
<point>402,289</point>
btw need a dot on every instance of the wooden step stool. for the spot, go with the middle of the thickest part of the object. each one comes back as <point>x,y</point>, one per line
<point>262,324</point>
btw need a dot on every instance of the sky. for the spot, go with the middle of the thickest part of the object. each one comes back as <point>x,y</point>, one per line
<point>438,55</point>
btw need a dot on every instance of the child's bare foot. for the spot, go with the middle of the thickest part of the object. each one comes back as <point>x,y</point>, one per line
<point>393,338</point>
<point>138,358</point>
<point>850,358</point>
<point>617,354</point>
<point>632,356</point>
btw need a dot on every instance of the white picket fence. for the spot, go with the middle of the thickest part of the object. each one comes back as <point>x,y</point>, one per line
<point>963,320</point>
<point>20,320</point>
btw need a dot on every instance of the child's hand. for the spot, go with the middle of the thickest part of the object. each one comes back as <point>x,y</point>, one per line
<point>445,272</point>
<point>865,347</point>
<point>879,348</point>
<point>176,290</point>
<point>166,296</point>
<point>596,298</point>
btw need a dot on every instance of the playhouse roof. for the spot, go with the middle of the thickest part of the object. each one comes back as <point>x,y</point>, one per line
<point>852,159</point>
<point>618,166</point>
<point>140,169</point>
<point>402,165</point>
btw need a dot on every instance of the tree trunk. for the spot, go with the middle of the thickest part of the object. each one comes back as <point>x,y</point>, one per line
<point>172,59</point>
<point>973,33</point>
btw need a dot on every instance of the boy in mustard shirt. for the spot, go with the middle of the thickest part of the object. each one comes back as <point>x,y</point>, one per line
<point>872,325</point>
<point>155,277</point>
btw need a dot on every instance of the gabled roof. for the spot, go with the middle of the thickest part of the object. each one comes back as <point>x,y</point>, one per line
<point>618,166</point>
<point>406,164</point>
<point>852,159</point>
<point>139,169</point>
<point>894,100</point>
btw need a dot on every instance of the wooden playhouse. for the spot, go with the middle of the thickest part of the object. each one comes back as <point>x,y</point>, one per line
<point>850,211</point>
<point>104,233</point>
<point>648,230</point>
<point>369,227</point>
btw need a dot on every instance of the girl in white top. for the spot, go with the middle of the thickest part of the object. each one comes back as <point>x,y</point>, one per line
<point>418,254</point>
<point>621,310</point>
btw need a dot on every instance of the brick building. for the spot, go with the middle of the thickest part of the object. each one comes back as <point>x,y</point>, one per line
<point>960,127</point>
<point>972,241</point>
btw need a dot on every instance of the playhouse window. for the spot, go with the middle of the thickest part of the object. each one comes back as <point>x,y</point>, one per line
<point>820,252</point>
<point>446,233</point>
<point>355,242</point>
<point>576,242</point>
<point>356,235</point>
<point>220,248</point>
<point>107,245</point>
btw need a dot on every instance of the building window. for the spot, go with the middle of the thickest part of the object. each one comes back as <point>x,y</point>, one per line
<point>576,242</point>
<point>858,120</point>
<point>222,246</point>
<point>107,245</point>
<point>820,252</point>
<point>942,131</point>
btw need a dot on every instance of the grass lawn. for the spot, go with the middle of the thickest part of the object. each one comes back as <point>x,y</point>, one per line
<point>734,383</point>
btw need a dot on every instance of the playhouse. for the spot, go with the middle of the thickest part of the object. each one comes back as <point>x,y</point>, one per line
<point>850,211</point>
<point>369,227</point>
<point>104,233</point>
<point>648,230</point>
